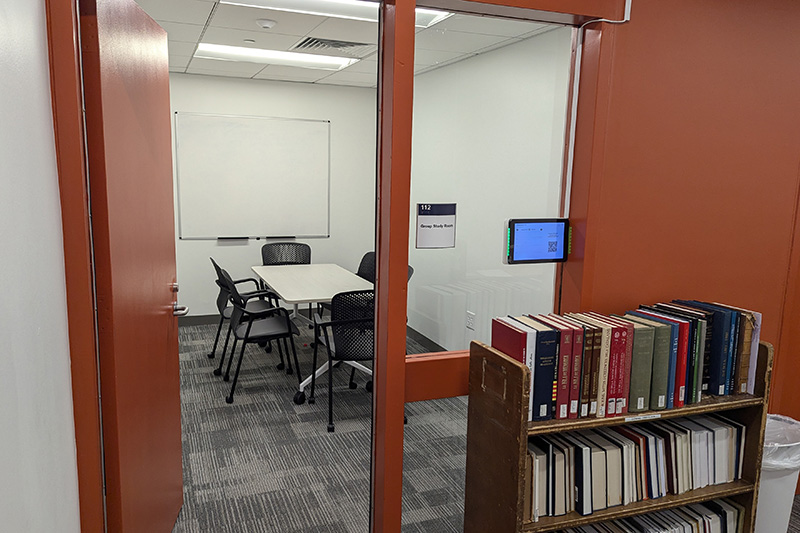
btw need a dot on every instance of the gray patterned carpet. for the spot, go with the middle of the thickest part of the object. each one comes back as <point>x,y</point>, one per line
<point>264,464</point>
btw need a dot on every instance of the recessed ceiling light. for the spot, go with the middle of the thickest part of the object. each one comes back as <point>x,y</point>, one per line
<point>266,23</point>
<point>347,9</point>
<point>271,57</point>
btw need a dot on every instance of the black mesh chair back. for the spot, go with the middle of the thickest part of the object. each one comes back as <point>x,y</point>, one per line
<point>353,325</point>
<point>286,253</point>
<point>224,294</point>
<point>366,269</point>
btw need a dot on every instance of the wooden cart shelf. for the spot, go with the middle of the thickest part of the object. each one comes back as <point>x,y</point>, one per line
<point>498,431</point>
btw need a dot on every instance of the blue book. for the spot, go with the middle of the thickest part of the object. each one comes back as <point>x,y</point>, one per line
<point>545,360</point>
<point>673,352</point>
<point>723,346</point>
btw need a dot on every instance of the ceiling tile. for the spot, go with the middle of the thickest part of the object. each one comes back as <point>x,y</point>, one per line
<point>244,18</point>
<point>488,25</point>
<point>242,67</point>
<point>347,30</point>
<point>218,73</point>
<point>365,66</point>
<point>187,33</point>
<point>359,77</point>
<point>179,48</point>
<point>263,40</point>
<point>186,11</point>
<point>454,41</point>
<point>284,73</point>
<point>179,61</point>
<point>433,57</point>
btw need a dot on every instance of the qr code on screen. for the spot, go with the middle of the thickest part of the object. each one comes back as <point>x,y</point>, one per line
<point>552,246</point>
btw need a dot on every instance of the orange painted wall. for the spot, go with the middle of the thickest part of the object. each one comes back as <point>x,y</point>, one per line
<point>688,168</point>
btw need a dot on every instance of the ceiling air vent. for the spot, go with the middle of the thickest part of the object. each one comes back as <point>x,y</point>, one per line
<point>331,47</point>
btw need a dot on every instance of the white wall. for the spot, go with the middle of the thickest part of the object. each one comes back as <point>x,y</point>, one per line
<point>488,135</point>
<point>38,472</point>
<point>353,115</point>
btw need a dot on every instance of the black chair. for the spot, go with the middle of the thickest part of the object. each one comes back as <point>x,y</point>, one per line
<point>348,336</point>
<point>286,253</point>
<point>268,325</point>
<point>225,309</point>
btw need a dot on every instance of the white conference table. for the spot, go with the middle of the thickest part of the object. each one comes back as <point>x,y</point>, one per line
<point>314,283</point>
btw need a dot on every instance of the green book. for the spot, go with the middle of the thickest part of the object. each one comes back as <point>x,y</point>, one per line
<point>641,365</point>
<point>661,350</point>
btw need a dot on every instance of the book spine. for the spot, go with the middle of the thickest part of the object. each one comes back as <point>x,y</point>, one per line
<point>735,353</point>
<point>575,378</point>
<point>627,341</point>
<point>680,366</point>
<point>641,370</point>
<point>545,361</point>
<point>594,380</point>
<point>746,351</point>
<point>614,374</point>
<point>564,371</point>
<point>586,373</point>
<point>602,378</point>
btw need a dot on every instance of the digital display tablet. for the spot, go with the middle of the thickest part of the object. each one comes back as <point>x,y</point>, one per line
<point>537,240</point>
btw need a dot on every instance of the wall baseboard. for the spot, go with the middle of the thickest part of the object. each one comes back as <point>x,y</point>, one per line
<point>198,320</point>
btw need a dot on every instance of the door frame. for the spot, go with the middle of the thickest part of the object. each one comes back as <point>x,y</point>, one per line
<point>395,94</point>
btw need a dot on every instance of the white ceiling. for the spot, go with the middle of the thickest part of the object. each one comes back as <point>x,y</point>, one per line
<point>189,22</point>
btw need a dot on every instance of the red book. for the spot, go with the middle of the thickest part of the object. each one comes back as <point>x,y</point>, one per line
<point>576,383</point>
<point>679,394</point>
<point>625,367</point>
<point>510,340</point>
<point>563,405</point>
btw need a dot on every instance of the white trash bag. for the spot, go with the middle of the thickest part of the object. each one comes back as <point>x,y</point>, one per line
<point>780,467</point>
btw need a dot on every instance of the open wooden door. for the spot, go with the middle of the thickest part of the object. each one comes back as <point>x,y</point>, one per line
<point>126,86</point>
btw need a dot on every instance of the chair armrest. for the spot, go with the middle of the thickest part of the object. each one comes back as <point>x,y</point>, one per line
<point>246,280</point>
<point>271,296</point>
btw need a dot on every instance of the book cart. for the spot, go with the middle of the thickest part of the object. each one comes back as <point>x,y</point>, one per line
<point>498,431</point>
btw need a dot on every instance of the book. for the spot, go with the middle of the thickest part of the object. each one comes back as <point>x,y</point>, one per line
<point>565,362</point>
<point>679,392</point>
<point>518,341</point>
<point>659,379</point>
<point>696,348</point>
<point>604,401</point>
<point>545,360</point>
<point>539,480</point>
<point>625,354</point>
<point>673,352</point>
<point>721,346</point>
<point>749,326</point>
<point>546,483</point>
<point>641,370</point>
<point>583,474</point>
<point>577,364</point>
<point>591,356</point>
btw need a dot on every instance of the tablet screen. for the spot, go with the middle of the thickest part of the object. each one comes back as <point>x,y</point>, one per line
<point>537,240</point>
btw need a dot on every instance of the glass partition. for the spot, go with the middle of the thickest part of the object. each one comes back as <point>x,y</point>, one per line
<point>490,116</point>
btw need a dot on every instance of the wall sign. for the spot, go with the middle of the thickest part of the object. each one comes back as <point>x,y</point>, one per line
<point>436,225</point>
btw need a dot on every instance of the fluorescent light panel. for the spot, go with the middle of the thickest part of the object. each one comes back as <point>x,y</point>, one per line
<point>271,57</point>
<point>346,9</point>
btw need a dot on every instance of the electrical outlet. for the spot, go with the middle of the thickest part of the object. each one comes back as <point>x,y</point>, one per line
<point>470,320</point>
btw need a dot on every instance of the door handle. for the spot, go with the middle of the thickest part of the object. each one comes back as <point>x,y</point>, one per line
<point>179,310</point>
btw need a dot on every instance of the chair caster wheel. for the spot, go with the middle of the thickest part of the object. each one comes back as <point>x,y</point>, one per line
<point>268,349</point>
<point>353,385</point>
<point>280,366</point>
<point>289,371</point>
<point>312,400</point>
<point>262,344</point>
<point>226,377</point>
<point>300,398</point>
<point>368,386</point>
<point>311,326</point>
<point>405,419</point>
<point>217,372</point>
<point>330,428</point>
<point>229,399</point>
<point>210,355</point>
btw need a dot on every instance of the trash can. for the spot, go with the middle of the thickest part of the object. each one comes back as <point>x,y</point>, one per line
<point>779,468</point>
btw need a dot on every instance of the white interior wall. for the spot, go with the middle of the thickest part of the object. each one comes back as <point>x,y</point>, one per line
<point>488,135</point>
<point>38,469</point>
<point>353,115</point>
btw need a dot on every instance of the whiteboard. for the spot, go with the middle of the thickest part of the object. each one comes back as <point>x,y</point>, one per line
<point>243,176</point>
